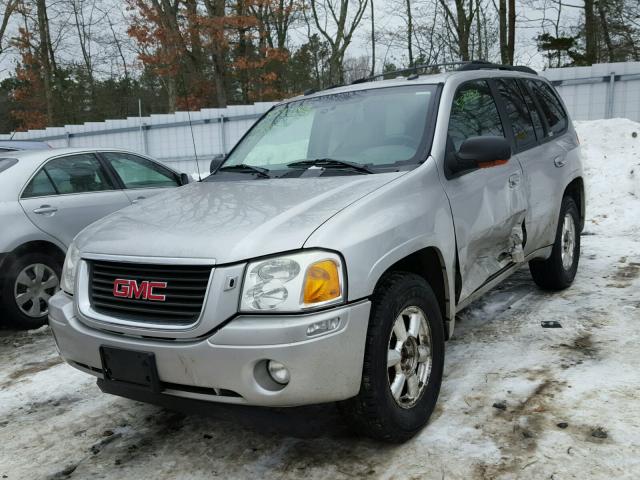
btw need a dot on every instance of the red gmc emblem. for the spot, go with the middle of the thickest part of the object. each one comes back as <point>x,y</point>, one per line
<point>124,288</point>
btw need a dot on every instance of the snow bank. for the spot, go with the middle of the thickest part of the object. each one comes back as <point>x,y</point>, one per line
<point>611,153</point>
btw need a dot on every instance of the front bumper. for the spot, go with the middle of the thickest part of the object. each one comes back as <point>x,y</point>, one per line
<point>229,365</point>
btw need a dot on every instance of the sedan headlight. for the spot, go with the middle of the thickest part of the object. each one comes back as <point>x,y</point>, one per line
<point>70,268</point>
<point>295,282</point>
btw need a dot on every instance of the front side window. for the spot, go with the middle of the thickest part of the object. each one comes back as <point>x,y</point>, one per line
<point>473,114</point>
<point>138,172</point>
<point>77,174</point>
<point>551,107</point>
<point>374,127</point>
<point>518,113</point>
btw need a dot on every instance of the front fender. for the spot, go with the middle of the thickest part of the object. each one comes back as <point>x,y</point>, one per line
<point>389,224</point>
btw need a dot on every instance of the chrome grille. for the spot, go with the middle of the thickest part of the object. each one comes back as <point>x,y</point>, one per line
<point>184,294</point>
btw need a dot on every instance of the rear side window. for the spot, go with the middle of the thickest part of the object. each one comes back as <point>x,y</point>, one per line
<point>39,186</point>
<point>77,174</point>
<point>6,163</point>
<point>533,110</point>
<point>518,113</point>
<point>72,174</point>
<point>473,114</point>
<point>550,105</point>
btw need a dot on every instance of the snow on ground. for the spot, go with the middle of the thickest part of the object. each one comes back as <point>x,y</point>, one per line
<point>571,407</point>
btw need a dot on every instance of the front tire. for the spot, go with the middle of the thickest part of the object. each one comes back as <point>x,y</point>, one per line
<point>558,271</point>
<point>30,281</point>
<point>403,363</point>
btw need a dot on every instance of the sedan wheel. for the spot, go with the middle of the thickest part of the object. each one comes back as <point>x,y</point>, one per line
<point>34,285</point>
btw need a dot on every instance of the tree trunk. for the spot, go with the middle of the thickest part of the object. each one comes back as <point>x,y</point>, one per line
<point>43,53</point>
<point>216,11</point>
<point>590,30</point>
<point>373,41</point>
<point>602,11</point>
<point>512,32</point>
<point>502,17</point>
<point>410,33</point>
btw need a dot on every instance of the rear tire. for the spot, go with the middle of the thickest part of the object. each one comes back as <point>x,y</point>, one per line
<point>558,271</point>
<point>384,409</point>
<point>30,281</point>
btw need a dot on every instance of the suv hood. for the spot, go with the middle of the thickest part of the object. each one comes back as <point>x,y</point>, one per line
<point>228,221</point>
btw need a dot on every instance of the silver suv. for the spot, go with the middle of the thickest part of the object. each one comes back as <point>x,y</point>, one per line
<point>46,198</point>
<point>326,259</point>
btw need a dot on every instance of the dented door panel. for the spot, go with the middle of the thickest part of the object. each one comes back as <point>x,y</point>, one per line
<point>488,210</point>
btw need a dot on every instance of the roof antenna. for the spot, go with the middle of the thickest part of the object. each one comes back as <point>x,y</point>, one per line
<point>193,138</point>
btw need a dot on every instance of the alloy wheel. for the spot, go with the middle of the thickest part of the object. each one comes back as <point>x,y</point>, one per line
<point>409,356</point>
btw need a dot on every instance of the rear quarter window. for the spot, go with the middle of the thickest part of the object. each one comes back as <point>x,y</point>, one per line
<point>6,163</point>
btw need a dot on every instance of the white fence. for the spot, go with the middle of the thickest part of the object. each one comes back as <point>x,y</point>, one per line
<point>606,90</point>
<point>600,91</point>
<point>173,138</point>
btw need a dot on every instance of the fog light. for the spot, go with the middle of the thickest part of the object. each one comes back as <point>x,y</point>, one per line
<point>323,326</point>
<point>278,372</point>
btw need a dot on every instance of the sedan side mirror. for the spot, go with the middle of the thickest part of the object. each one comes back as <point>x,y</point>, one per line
<point>216,162</point>
<point>184,179</point>
<point>480,152</point>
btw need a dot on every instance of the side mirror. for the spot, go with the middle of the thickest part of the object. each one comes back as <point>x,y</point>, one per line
<point>480,152</point>
<point>184,179</point>
<point>216,162</point>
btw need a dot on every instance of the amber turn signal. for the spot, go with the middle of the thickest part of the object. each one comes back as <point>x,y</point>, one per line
<point>322,282</point>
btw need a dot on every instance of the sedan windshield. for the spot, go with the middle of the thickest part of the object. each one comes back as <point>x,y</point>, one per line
<point>380,127</point>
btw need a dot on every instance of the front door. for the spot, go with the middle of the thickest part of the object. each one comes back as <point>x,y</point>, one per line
<point>488,204</point>
<point>69,193</point>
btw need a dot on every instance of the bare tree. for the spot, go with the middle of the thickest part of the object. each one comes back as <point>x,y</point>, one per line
<point>340,34</point>
<point>9,9</point>
<point>460,24</point>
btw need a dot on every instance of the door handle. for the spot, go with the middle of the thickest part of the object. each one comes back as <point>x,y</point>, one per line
<point>514,180</point>
<point>45,209</point>
<point>559,162</point>
<point>138,199</point>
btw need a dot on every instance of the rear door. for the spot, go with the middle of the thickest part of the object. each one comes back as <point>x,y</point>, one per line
<point>488,204</point>
<point>543,165</point>
<point>68,193</point>
<point>140,177</point>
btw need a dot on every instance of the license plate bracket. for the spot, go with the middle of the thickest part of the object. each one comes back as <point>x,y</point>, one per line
<point>131,367</point>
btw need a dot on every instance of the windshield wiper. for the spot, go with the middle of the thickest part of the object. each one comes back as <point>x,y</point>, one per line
<point>331,163</point>
<point>243,167</point>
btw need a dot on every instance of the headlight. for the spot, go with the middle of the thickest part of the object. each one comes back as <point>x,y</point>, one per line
<point>69,270</point>
<point>295,282</point>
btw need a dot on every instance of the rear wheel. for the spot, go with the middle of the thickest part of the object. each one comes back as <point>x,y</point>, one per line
<point>558,271</point>
<point>30,281</point>
<point>404,358</point>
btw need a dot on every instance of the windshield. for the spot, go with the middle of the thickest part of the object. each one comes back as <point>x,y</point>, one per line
<point>377,128</point>
<point>5,163</point>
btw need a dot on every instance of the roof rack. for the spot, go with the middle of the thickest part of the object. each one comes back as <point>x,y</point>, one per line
<point>484,65</point>
<point>462,66</point>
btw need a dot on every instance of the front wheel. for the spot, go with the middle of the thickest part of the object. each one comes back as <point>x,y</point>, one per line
<point>30,281</point>
<point>404,359</point>
<point>558,271</point>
